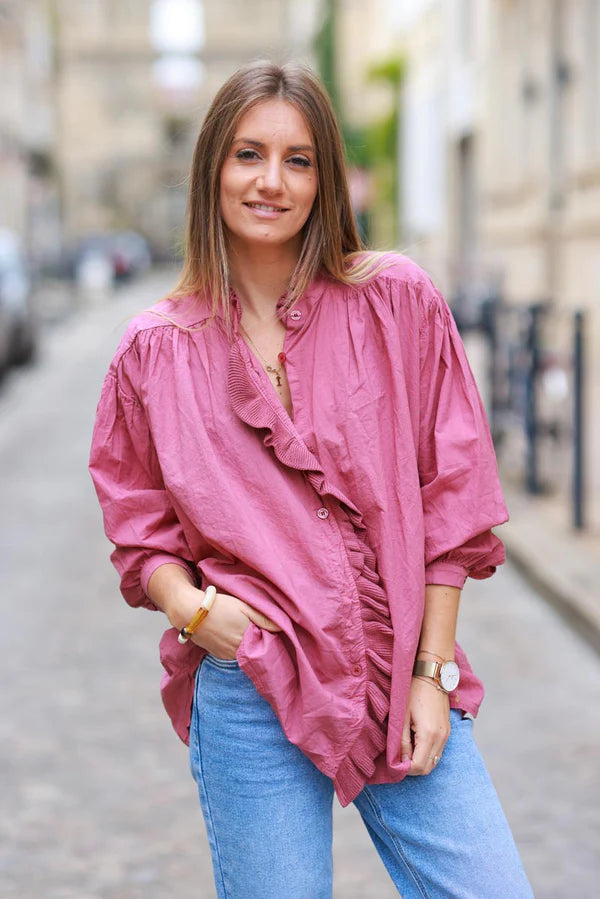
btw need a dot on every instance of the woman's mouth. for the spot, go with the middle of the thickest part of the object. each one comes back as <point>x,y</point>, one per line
<point>266,208</point>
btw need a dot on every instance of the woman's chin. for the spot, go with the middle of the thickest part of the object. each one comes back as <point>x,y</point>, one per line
<point>265,240</point>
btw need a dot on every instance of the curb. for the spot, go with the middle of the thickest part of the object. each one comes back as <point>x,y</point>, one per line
<point>568,607</point>
<point>562,565</point>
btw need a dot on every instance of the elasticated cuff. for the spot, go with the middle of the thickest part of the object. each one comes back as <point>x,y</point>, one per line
<point>448,574</point>
<point>155,561</point>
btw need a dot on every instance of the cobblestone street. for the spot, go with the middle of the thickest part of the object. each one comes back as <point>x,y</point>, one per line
<point>97,798</point>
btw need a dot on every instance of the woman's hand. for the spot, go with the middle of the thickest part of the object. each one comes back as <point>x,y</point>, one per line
<point>426,726</point>
<point>172,589</point>
<point>222,630</point>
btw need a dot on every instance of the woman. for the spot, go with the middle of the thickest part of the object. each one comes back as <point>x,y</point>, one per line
<point>297,427</point>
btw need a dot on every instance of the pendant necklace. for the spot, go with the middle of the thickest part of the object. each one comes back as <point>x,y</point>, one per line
<point>280,358</point>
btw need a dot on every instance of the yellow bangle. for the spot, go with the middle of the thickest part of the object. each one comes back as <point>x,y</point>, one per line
<point>186,632</point>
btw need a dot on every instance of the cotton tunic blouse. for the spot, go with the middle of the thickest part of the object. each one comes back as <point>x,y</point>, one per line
<point>330,522</point>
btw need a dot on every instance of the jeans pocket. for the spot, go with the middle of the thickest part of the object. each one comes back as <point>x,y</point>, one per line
<point>216,662</point>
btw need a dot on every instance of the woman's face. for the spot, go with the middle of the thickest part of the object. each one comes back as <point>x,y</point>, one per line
<point>269,179</point>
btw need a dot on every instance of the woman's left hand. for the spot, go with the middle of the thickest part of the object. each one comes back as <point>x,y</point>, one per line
<point>426,726</point>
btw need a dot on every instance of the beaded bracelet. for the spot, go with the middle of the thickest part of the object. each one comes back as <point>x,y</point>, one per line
<point>186,632</point>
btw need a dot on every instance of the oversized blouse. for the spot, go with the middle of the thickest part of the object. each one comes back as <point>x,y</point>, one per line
<point>330,522</point>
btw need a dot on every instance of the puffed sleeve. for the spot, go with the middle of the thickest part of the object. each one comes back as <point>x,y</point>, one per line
<point>138,516</point>
<point>461,494</point>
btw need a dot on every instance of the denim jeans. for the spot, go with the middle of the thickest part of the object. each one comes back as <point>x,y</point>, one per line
<point>268,809</point>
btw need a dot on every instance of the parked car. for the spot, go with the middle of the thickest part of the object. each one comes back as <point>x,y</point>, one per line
<point>125,253</point>
<point>17,318</point>
<point>131,254</point>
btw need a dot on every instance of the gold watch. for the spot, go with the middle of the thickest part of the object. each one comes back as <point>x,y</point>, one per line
<point>445,674</point>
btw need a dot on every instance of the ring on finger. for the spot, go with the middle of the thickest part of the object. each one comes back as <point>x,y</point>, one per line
<point>436,759</point>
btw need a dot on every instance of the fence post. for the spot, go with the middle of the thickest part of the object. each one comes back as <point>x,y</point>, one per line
<point>490,316</point>
<point>532,482</point>
<point>578,423</point>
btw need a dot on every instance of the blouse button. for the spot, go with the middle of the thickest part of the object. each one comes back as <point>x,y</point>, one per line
<point>295,315</point>
<point>323,513</point>
<point>356,670</point>
<point>281,357</point>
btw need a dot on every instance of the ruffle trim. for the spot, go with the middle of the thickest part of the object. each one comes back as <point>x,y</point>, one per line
<point>360,763</point>
<point>252,405</point>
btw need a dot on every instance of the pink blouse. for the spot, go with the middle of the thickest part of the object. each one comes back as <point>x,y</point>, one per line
<point>331,523</point>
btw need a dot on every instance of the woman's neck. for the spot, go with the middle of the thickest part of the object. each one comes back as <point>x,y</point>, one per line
<point>261,279</point>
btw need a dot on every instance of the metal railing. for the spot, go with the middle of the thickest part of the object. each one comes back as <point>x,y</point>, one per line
<point>536,385</point>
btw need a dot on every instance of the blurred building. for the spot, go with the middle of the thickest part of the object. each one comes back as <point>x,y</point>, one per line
<point>108,128</point>
<point>501,173</point>
<point>366,35</point>
<point>13,161</point>
<point>134,78</point>
<point>237,32</point>
<point>28,186</point>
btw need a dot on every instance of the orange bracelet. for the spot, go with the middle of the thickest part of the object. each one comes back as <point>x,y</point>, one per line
<point>186,632</point>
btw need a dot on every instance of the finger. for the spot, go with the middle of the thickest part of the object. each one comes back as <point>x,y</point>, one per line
<point>259,619</point>
<point>424,752</point>
<point>435,758</point>
<point>425,760</point>
<point>439,742</point>
<point>406,744</point>
<point>422,760</point>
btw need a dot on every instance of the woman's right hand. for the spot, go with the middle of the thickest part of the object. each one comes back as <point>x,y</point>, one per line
<point>222,630</point>
<point>171,589</point>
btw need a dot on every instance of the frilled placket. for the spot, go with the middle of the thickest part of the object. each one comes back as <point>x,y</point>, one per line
<point>371,664</point>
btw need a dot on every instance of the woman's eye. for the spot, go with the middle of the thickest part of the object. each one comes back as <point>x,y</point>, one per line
<point>246,154</point>
<point>301,161</point>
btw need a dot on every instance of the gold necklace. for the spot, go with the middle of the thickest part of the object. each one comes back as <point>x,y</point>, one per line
<point>280,358</point>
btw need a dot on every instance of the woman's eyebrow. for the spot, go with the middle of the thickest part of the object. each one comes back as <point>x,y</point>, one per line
<point>294,148</point>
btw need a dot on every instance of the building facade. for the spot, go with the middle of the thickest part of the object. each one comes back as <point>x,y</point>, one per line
<point>28,187</point>
<point>502,181</point>
<point>108,127</point>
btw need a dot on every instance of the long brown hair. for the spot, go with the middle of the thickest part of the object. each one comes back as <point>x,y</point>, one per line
<point>331,240</point>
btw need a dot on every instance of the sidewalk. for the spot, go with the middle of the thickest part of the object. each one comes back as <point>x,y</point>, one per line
<point>562,564</point>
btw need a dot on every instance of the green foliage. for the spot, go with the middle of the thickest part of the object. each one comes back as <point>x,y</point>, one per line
<point>374,146</point>
<point>377,142</point>
<point>325,50</point>
<point>357,144</point>
<point>382,136</point>
<point>390,71</point>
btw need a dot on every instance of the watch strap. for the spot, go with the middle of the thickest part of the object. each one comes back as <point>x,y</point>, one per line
<point>424,668</point>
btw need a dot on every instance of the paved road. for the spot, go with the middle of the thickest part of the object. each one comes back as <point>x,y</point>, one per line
<point>97,799</point>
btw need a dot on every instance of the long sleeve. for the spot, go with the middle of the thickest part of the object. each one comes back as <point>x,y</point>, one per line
<point>461,494</point>
<point>138,516</point>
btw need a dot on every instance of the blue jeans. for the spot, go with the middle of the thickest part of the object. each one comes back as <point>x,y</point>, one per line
<point>268,809</point>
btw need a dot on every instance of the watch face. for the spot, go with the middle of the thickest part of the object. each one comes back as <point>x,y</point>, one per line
<point>449,676</point>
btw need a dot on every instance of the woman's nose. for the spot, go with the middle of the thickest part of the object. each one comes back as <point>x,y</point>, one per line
<point>270,178</point>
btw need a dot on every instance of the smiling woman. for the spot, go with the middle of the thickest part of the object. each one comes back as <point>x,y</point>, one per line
<point>295,467</point>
